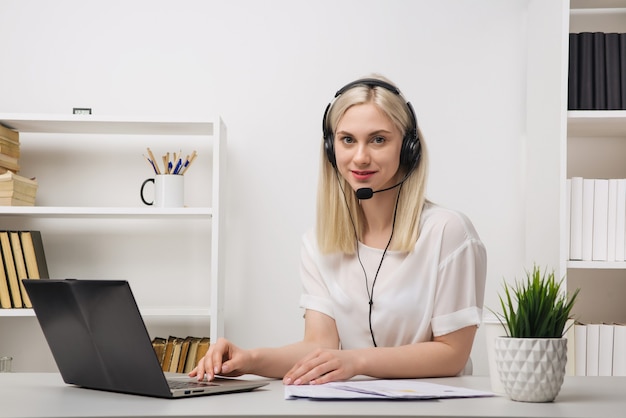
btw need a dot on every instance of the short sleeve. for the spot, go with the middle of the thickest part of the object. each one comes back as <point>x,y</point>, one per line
<point>461,279</point>
<point>315,293</point>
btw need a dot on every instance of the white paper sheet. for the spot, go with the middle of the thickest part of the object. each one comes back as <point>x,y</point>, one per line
<point>381,389</point>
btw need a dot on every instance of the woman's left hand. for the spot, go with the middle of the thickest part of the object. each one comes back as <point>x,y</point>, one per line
<point>322,366</point>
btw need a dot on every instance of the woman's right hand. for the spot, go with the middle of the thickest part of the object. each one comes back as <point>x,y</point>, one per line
<point>223,358</point>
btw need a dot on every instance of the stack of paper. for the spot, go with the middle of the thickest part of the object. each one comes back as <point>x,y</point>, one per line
<point>381,389</point>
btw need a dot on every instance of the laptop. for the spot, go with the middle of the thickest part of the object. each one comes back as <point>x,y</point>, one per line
<point>99,341</point>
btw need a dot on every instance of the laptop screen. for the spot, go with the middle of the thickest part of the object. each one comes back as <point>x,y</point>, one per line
<point>97,336</point>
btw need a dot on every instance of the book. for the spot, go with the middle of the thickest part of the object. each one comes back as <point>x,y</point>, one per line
<point>600,220</point>
<point>16,190</point>
<point>13,201</point>
<point>620,222</point>
<point>605,350</point>
<point>9,266</point>
<point>184,351</point>
<point>190,363</point>
<point>203,347</point>
<point>613,88</point>
<point>599,71</point>
<point>587,232</point>
<point>619,350</point>
<point>611,221</point>
<point>10,163</point>
<point>5,295</point>
<point>580,350</point>
<point>593,349</point>
<point>13,181</point>
<point>34,255</point>
<point>572,79</point>
<point>622,60</point>
<point>177,346</point>
<point>9,134</point>
<point>9,148</point>
<point>158,344</point>
<point>585,71</point>
<point>576,218</point>
<point>20,266</point>
<point>167,356</point>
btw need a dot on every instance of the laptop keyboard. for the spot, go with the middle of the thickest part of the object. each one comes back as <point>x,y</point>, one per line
<point>186,384</point>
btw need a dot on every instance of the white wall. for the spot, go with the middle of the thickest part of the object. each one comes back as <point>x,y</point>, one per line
<point>269,68</point>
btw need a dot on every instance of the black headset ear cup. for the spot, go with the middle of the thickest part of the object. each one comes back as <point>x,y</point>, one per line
<point>329,147</point>
<point>329,139</point>
<point>411,146</point>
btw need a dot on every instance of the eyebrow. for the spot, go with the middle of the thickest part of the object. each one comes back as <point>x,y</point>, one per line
<point>378,132</point>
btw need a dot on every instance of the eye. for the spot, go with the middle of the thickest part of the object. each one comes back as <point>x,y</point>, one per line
<point>347,139</point>
<point>379,140</point>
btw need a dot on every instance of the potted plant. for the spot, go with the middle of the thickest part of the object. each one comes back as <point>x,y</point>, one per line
<point>531,358</point>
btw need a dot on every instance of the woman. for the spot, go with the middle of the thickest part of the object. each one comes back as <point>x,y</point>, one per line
<point>393,284</point>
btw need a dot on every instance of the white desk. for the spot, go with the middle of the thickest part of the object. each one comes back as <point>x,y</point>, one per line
<point>45,395</point>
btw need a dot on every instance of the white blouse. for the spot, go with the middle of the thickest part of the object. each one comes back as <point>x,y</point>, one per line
<point>433,290</point>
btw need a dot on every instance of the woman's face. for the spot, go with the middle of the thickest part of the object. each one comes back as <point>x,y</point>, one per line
<point>367,147</point>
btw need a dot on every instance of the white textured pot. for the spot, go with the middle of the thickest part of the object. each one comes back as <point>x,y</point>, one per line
<point>531,369</point>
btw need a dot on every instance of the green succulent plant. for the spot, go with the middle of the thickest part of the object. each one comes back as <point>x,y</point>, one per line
<point>536,307</point>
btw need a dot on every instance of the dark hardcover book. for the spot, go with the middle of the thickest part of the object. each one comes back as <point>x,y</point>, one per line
<point>585,71</point>
<point>599,71</point>
<point>622,59</point>
<point>572,78</point>
<point>613,77</point>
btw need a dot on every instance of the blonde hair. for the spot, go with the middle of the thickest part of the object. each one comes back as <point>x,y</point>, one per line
<point>340,219</point>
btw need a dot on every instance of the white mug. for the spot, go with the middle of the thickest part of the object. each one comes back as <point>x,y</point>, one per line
<point>169,191</point>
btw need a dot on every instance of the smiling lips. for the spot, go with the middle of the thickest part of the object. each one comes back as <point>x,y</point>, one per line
<point>362,175</point>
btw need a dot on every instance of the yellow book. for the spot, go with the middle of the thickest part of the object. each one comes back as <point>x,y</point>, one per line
<point>159,348</point>
<point>9,265</point>
<point>167,357</point>
<point>10,163</point>
<point>34,255</point>
<point>9,134</point>
<point>5,296</point>
<point>203,347</point>
<point>184,352</point>
<point>20,266</point>
<point>176,350</point>
<point>9,148</point>
<point>190,362</point>
<point>13,201</point>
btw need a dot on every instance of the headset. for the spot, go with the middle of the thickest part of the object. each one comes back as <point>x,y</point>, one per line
<point>411,146</point>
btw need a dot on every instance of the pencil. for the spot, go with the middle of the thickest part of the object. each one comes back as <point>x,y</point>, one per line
<point>156,167</point>
<point>187,165</point>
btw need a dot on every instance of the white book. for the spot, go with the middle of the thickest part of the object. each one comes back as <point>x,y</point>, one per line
<point>611,220</point>
<point>620,221</point>
<point>600,220</point>
<point>619,350</point>
<point>605,350</point>
<point>593,349</point>
<point>580,350</point>
<point>587,232</point>
<point>576,219</point>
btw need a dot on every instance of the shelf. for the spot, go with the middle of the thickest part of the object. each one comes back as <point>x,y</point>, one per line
<point>105,212</point>
<point>598,123</point>
<point>176,311</point>
<point>96,124</point>
<point>600,265</point>
<point>597,4</point>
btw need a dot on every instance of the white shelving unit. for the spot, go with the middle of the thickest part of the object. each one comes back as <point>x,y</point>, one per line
<point>595,148</point>
<point>138,240</point>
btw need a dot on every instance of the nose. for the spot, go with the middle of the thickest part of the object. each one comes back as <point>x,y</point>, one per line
<point>362,155</point>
